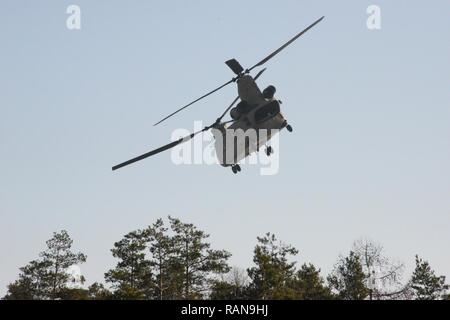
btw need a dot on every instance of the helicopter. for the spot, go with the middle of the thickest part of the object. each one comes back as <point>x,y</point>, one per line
<point>258,111</point>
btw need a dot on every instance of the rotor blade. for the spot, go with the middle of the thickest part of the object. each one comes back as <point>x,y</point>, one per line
<point>191,103</point>
<point>228,109</point>
<point>161,149</point>
<point>237,98</point>
<point>259,73</point>
<point>270,56</point>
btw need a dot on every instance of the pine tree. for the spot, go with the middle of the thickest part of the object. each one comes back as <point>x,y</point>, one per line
<point>131,278</point>
<point>424,284</point>
<point>59,258</point>
<point>348,279</point>
<point>272,274</point>
<point>47,277</point>
<point>194,262</point>
<point>309,285</point>
<point>97,291</point>
<point>33,283</point>
<point>160,246</point>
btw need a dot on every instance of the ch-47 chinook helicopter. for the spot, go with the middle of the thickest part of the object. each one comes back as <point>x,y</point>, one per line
<point>256,110</point>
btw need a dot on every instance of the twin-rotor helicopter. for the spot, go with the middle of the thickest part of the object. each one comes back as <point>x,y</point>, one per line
<point>256,110</point>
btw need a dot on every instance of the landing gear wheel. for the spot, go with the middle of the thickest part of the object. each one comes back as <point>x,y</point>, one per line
<point>269,151</point>
<point>236,168</point>
<point>289,128</point>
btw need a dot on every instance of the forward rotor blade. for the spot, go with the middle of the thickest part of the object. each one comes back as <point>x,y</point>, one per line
<point>161,149</point>
<point>191,103</point>
<point>270,56</point>
<point>228,109</point>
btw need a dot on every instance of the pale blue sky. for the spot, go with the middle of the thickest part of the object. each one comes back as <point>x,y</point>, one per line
<point>369,155</point>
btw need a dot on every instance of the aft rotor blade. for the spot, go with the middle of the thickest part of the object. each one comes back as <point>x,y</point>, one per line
<point>270,56</point>
<point>259,73</point>
<point>191,103</point>
<point>161,149</point>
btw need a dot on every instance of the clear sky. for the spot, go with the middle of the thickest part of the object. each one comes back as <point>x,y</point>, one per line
<point>369,155</point>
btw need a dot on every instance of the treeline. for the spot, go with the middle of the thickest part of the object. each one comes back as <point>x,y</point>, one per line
<point>174,260</point>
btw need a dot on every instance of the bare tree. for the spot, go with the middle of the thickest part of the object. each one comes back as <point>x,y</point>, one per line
<point>237,277</point>
<point>383,275</point>
<point>231,285</point>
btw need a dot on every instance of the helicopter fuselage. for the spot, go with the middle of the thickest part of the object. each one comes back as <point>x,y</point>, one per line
<point>252,129</point>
